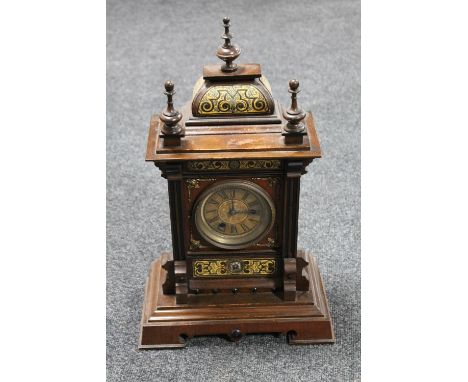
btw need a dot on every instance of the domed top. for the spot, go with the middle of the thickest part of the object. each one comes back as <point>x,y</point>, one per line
<point>232,114</point>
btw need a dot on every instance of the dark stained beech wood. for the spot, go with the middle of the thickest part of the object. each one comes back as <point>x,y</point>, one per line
<point>167,324</point>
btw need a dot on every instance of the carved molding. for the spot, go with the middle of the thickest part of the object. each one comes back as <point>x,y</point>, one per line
<point>289,279</point>
<point>180,278</point>
<point>169,283</point>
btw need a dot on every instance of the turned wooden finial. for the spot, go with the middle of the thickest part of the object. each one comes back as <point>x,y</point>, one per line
<point>228,52</point>
<point>295,128</point>
<point>171,117</point>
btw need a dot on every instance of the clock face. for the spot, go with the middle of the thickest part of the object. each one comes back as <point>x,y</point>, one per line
<point>234,214</point>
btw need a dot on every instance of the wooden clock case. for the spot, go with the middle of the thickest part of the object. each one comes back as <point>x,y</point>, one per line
<point>277,288</point>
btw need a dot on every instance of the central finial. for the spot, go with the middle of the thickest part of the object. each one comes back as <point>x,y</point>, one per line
<point>228,52</point>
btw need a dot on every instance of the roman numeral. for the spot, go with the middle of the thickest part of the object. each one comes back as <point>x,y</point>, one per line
<point>254,219</point>
<point>223,195</point>
<point>213,219</point>
<point>212,201</point>
<point>245,227</point>
<point>233,229</point>
<point>253,204</point>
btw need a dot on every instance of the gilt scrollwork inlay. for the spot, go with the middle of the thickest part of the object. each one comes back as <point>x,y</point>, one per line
<point>271,181</point>
<point>226,165</point>
<point>194,244</point>
<point>234,100</point>
<point>195,183</point>
<point>234,267</point>
<point>271,243</point>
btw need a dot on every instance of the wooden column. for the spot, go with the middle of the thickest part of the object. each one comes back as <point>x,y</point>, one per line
<point>294,171</point>
<point>173,174</point>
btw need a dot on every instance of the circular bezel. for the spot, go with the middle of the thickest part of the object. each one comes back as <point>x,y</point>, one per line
<point>235,241</point>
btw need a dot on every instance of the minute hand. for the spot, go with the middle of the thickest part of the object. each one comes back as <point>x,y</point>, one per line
<point>240,212</point>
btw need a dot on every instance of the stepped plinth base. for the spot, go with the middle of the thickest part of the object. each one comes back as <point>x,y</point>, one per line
<point>166,324</point>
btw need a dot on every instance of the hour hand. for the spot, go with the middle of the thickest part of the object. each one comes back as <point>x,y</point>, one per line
<point>248,211</point>
<point>232,210</point>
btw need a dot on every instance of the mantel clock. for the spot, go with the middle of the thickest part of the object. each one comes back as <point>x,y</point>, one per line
<point>233,158</point>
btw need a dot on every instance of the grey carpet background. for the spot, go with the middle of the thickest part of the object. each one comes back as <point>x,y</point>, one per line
<point>317,42</point>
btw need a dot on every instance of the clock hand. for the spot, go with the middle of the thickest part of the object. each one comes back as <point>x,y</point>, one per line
<point>232,210</point>
<point>247,211</point>
<point>241,212</point>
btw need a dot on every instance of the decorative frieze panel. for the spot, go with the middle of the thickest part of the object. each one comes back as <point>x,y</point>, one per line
<point>228,165</point>
<point>234,267</point>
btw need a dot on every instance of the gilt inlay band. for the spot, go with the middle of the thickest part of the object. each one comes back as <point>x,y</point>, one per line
<point>220,165</point>
<point>237,267</point>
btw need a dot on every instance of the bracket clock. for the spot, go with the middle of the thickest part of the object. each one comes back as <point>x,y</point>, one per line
<point>233,158</point>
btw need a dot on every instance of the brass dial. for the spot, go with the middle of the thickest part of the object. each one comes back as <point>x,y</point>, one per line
<point>234,214</point>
